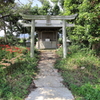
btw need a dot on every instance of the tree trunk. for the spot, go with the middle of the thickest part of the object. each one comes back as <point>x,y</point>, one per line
<point>5,32</point>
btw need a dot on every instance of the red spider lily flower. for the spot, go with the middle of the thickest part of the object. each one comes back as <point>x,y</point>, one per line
<point>14,51</point>
<point>28,49</point>
<point>3,48</point>
<point>7,45</point>
<point>17,48</point>
<point>10,50</point>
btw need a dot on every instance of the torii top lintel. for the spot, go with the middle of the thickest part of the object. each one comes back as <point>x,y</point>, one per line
<point>43,17</point>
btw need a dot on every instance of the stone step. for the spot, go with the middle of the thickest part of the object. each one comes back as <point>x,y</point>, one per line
<point>48,73</point>
<point>44,50</point>
<point>48,81</point>
<point>49,93</point>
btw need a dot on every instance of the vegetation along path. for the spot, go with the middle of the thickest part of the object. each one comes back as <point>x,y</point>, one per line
<point>48,81</point>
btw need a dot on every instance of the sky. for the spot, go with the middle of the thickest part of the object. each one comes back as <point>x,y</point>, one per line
<point>35,2</point>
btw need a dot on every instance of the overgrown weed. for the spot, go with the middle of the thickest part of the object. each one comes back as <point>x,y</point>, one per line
<point>17,77</point>
<point>81,73</point>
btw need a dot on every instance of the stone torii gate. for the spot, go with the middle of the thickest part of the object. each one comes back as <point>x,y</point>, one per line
<point>48,19</point>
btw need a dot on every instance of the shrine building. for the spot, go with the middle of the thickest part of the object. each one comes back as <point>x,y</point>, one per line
<point>47,27</point>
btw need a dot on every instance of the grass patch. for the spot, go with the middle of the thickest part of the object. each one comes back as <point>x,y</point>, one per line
<point>81,73</point>
<point>16,78</point>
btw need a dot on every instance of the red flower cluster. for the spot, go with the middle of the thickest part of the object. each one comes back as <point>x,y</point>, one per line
<point>4,46</point>
<point>12,48</point>
<point>28,48</point>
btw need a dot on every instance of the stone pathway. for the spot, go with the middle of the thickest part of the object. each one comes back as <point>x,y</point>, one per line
<point>48,81</point>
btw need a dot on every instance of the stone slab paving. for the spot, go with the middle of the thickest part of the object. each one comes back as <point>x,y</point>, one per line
<point>49,81</point>
<point>49,93</point>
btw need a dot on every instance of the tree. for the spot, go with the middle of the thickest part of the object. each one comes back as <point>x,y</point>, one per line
<point>87,29</point>
<point>44,10</point>
<point>60,3</point>
<point>6,2</point>
<point>55,10</point>
<point>5,11</point>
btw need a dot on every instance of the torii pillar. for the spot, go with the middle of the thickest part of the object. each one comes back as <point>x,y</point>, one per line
<point>42,17</point>
<point>32,38</point>
<point>64,39</point>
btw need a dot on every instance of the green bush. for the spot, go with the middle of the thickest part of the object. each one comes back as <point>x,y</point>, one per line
<point>87,91</point>
<point>80,71</point>
<point>16,78</point>
<point>2,53</point>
